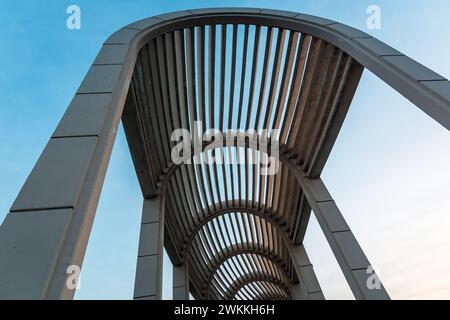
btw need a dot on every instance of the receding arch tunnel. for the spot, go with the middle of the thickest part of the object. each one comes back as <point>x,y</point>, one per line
<point>227,68</point>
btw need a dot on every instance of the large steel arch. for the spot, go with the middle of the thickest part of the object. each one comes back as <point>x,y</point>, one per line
<point>49,223</point>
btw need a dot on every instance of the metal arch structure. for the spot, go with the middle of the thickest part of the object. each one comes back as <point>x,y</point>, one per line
<point>230,68</point>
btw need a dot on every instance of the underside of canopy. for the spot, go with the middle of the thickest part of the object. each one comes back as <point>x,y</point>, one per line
<point>230,230</point>
<point>231,221</point>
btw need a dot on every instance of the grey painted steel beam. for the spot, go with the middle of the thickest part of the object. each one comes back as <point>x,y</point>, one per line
<point>149,270</point>
<point>305,273</point>
<point>55,208</point>
<point>180,282</point>
<point>352,260</point>
<point>297,292</point>
<point>30,244</point>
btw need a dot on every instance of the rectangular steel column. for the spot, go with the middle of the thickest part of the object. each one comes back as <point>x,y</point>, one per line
<point>360,276</point>
<point>44,237</point>
<point>305,273</point>
<point>181,282</point>
<point>298,292</point>
<point>149,271</point>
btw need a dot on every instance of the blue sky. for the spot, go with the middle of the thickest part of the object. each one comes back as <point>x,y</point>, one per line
<point>389,170</point>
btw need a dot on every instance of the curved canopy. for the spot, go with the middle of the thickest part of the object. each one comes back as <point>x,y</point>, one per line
<point>221,215</point>
<point>237,229</point>
<point>291,74</point>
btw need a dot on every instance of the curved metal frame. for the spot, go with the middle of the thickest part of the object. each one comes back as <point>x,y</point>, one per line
<point>267,216</point>
<point>237,252</point>
<point>225,258</point>
<point>55,208</point>
<point>234,289</point>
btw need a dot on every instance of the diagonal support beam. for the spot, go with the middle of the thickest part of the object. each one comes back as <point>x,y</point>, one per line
<point>360,276</point>
<point>44,237</point>
<point>305,273</point>
<point>149,271</point>
<point>297,291</point>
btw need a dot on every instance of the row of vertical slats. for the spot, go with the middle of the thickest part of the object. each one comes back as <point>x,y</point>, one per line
<point>226,236</point>
<point>261,290</point>
<point>233,274</point>
<point>236,77</point>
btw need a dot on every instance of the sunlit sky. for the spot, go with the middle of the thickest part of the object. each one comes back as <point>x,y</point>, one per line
<point>389,171</point>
